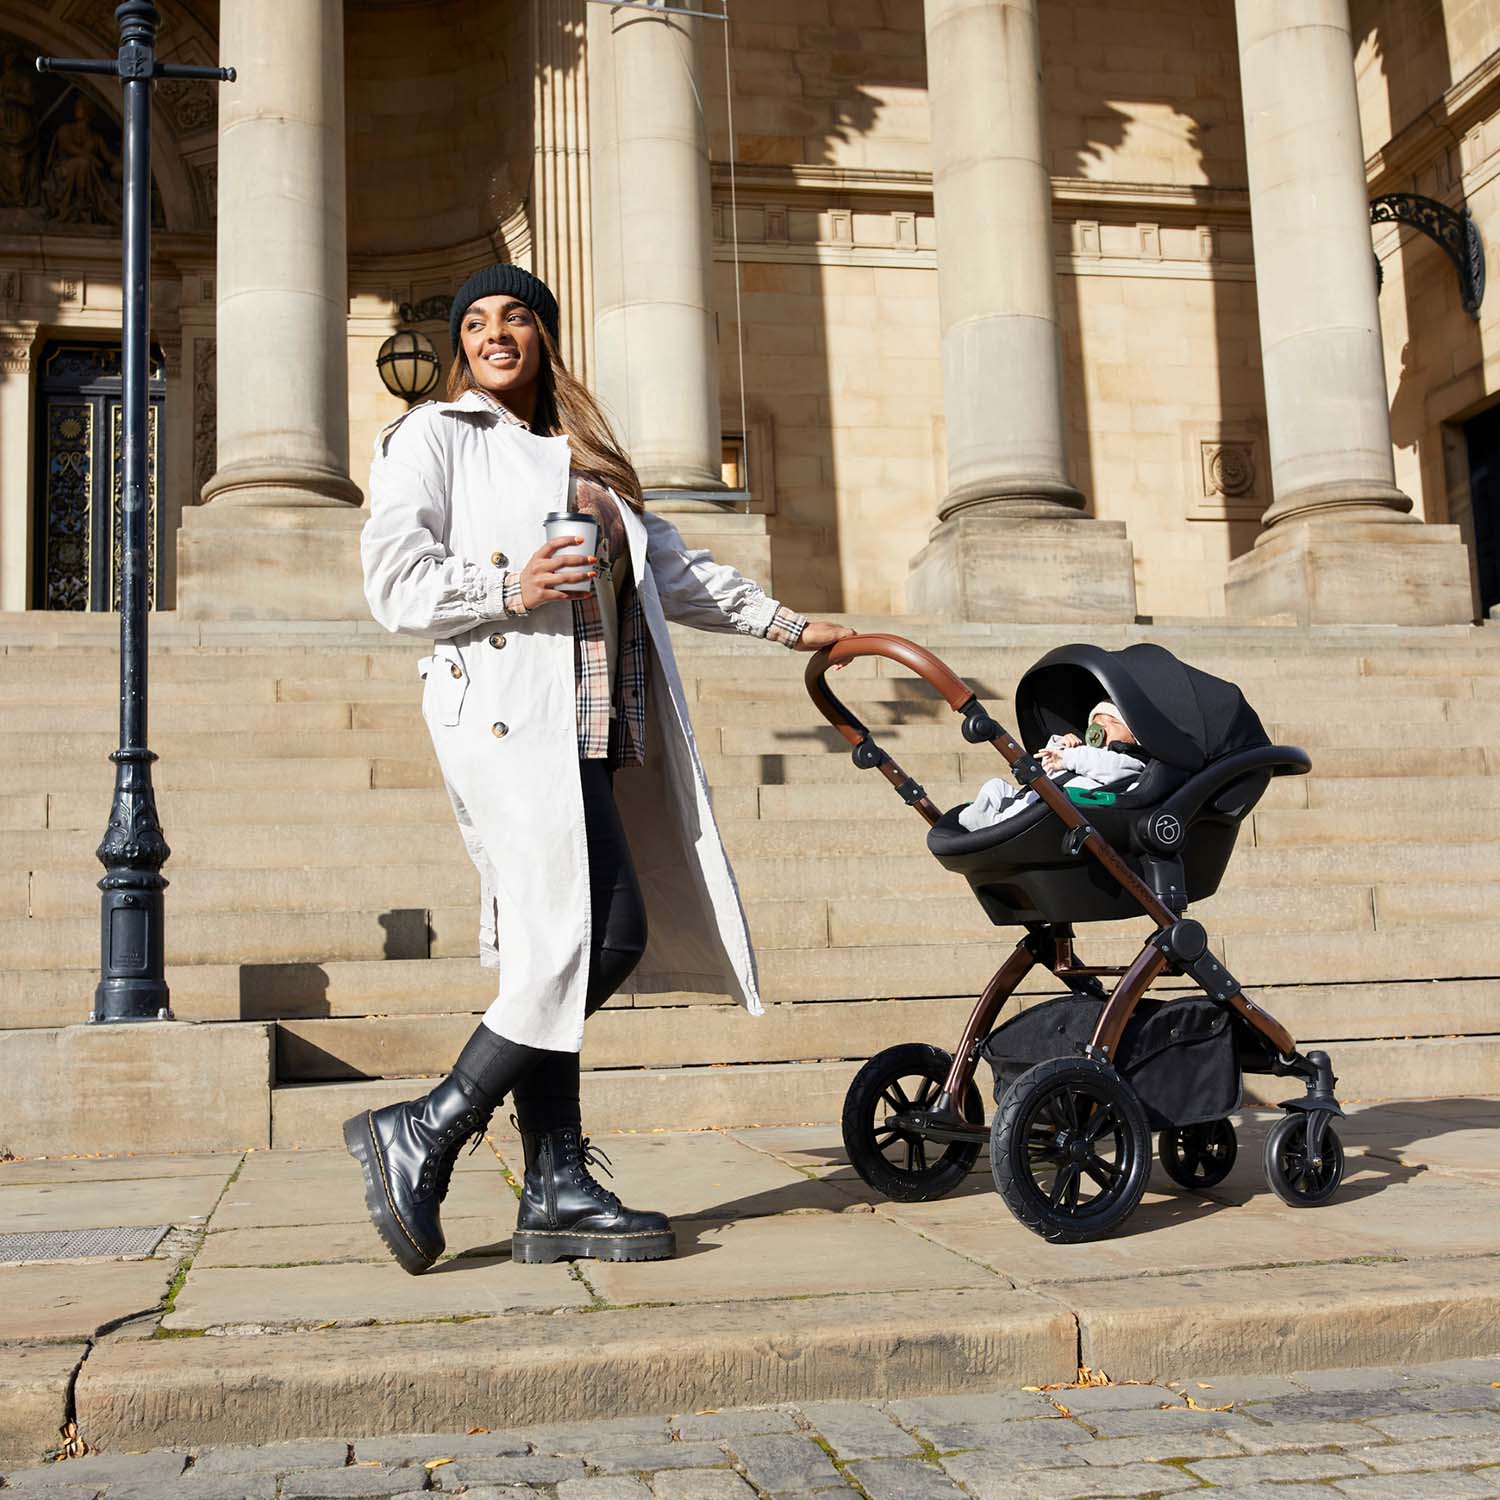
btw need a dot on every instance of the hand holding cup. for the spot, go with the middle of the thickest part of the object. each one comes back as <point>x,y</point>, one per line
<point>555,563</point>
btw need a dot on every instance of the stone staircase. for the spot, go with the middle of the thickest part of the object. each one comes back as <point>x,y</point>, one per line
<point>318,885</point>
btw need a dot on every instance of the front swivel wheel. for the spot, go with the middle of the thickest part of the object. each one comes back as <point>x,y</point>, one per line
<point>1070,1149</point>
<point>892,1158</point>
<point>1298,1174</point>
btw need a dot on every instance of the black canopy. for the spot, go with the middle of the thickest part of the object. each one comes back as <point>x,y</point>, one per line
<point>1183,717</point>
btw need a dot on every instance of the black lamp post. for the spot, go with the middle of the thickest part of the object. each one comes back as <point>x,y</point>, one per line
<point>132,985</point>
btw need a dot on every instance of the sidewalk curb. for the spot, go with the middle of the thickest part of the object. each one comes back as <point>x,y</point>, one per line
<point>444,1377</point>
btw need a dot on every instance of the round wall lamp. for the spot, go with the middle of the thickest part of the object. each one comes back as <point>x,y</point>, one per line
<point>408,365</point>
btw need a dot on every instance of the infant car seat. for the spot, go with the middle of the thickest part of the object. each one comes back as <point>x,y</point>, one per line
<point>1208,760</point>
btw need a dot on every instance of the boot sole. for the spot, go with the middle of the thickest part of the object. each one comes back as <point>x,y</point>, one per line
<point>541,1247</point>
<point>359,1141</point>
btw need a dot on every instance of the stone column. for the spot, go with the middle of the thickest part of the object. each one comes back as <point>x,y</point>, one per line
<point>1335,549</point>
<point>655,339</point>
<point>277,535</point>
<point>1011,541</point>
<point>17,344</point>
<point>562,230</point>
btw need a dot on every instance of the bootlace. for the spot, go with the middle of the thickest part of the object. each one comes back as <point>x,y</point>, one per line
<point>590,1155</point>
<point>440,1164</point>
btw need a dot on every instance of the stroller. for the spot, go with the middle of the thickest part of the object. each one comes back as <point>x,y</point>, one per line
<point>1083,1079</point>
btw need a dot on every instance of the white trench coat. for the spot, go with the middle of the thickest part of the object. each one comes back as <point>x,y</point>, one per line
<point>457,496</point>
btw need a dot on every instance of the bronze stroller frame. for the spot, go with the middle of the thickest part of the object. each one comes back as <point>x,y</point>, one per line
<point>1178,946</point>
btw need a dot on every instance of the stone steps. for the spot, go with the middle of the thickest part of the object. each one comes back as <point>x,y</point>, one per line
<point>310,1115</point>
<point>318,882</point>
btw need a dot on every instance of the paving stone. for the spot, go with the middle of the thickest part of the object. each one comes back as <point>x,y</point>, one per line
<point>700,1484</point>
<point>501,1492</point>
<point>522,1469</point>
<point>1456,1453</point>
<point>58,1491</point>
<point>1287,1437</point>
<point>1122,1424</point>
<point>783,1463</point>
<point>278,1458</point>
<point>991,1476</point>
<point>580,1437</point>
<point>1215,1390</point>
<point>1029,1444</point>
<point>996,1406</point>
<point>1374,1378</point>
<point>859,1431</point>
<point>352,1484</point>
<point>100,1469</point>
<point>904,1479</point>
<point>1089,1398</point>
<point>1416,1426</point>
<point>631,1458</point>
<point>417,1448</point>
<point>1459,1397</point>
<point>742,1421</point>
<point>248,1486</point>
<point>1463,1371</point>
<point>1154,1448</point>
<point>1276,1466</point>
<point>615,1487</point>
<point>1270,1491</point>
<point>1356,1406</point>
<point>37,1303</point>
<point>1451,1486</point>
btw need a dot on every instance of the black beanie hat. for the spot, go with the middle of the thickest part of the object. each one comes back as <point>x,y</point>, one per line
<point>510,281</point>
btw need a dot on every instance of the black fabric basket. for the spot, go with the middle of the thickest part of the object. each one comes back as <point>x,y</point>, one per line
<point>1178,1055</point>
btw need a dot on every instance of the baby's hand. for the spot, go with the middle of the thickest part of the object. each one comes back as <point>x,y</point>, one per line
<point>1051,754</point>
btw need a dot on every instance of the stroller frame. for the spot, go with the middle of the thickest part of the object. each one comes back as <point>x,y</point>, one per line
<point>1178,946</point>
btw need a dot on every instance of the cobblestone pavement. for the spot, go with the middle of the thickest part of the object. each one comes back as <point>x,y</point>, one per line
<point>1431,1431</point>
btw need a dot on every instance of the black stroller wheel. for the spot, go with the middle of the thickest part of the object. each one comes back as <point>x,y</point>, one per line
<point>1198,1157</point>
<point>1070,1149</point>
<point>1295,1176</point>
<point>895,1162</point>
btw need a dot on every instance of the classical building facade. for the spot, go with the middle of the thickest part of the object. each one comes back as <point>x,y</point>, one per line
<point>999,309</point>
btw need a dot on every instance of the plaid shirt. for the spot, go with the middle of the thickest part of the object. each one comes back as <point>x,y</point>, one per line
<point>612,715</point>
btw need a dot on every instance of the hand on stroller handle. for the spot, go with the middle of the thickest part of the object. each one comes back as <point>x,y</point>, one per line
<point>1070,1147</point>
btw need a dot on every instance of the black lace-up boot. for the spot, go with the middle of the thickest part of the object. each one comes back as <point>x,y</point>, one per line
<point>408,1151</point>
<point>567,1215</point>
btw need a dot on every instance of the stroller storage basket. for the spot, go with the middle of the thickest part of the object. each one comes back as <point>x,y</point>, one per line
<point>1178,1055</point>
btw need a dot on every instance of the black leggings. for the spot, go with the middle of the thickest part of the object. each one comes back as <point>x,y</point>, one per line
<point>546,1097</point>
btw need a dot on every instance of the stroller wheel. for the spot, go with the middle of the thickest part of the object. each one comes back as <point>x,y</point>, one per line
<point>1198,1157</point>
<point>896,1162</point>
<point>1070,1149</point>
<point>1296,1177</point>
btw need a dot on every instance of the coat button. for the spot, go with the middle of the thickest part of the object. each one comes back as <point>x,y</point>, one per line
<point>499,730</point>
<point>498,559</point>
<point>497,641</point>
<point>455,669</point>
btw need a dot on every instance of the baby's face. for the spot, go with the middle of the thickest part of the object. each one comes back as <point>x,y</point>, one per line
<point>1114,729</point>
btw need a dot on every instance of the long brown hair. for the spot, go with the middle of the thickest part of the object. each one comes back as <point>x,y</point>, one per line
<point>566,407</point>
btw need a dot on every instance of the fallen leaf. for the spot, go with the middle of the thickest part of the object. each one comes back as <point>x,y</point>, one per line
<point>331,1323</point>
<point>1031,1388</point>
<point>436,1463</point>
<point>707,1411</point>
<point>1201,1386</point>
<point>1195,1406</point>
<point>474,1430</point>
<point>1063,1409</point>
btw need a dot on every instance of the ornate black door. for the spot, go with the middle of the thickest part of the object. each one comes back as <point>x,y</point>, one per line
<point>78,459</point>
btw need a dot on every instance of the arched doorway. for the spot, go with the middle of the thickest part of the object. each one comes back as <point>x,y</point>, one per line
<point>77,493</point>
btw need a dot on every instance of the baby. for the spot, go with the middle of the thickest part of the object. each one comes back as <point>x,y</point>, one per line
<point>1092,764</point>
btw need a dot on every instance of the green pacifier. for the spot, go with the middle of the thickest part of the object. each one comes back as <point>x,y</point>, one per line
<point>1095,736</point>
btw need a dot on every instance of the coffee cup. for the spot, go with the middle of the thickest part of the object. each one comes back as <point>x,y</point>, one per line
<point>572,523</point>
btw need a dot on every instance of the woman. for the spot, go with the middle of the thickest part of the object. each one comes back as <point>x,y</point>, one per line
<point>525,684</point>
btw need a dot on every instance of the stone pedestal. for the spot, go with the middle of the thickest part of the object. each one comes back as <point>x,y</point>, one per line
<point>979,565</point>
<point>1360,573</point>
<point>270,562</point>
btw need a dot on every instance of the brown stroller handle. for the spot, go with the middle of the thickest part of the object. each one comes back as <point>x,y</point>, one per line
<point>867,754</point>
